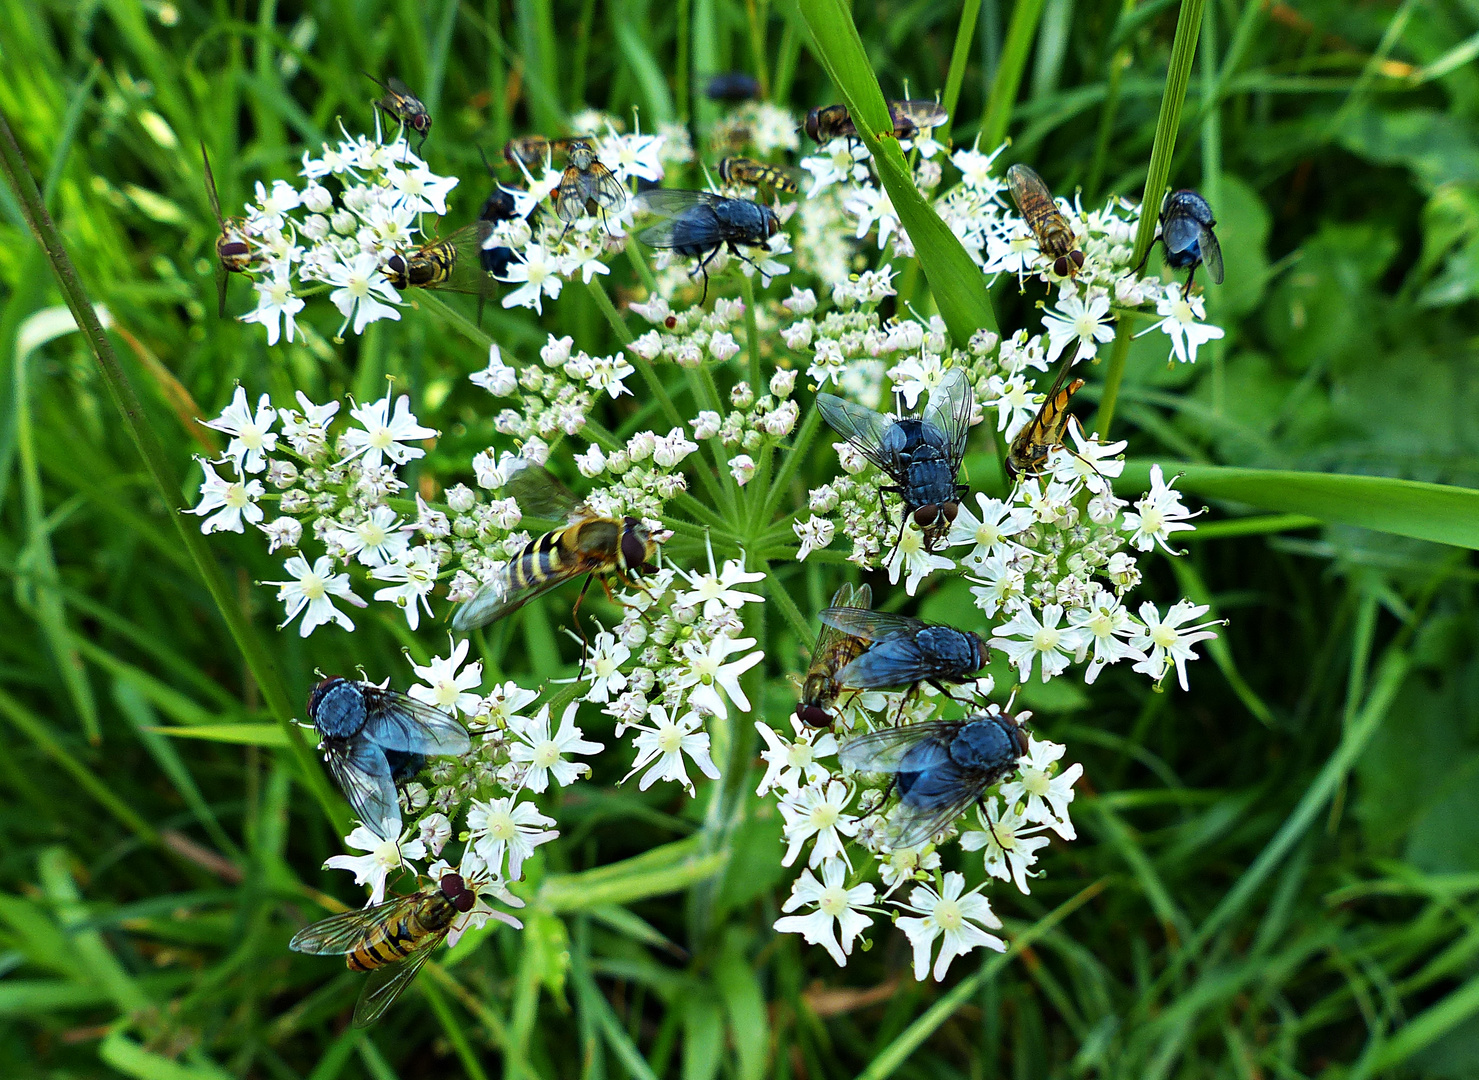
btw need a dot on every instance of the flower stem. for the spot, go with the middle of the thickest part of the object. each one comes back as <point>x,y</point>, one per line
<point>161,471</point>
<point>1124,333</point>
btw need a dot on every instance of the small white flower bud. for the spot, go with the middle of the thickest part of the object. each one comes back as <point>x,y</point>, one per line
<point>648,346</point>
<point>688,355</point>
<point>344,222</point>
<point>317,198</point>
<point>801,302</point>
<point>618,462</point>
<point>706,425</point>
<point>851,458</point>
<point>592,462</point>
<point>295,502</point>
<point>283,532</point>
<point>316,227</point>
<point>641,445</point>
<point>742,396</point>
<point>983,342</point>
<point>722,346</point>
<point>435,830</point>
<point>798,335</point>
<point>282,474</point>
<point>781,422</point>
<point>536,451</point>
<point>556,351</point>
<point>783,382</point>
<point>461,498</point>
<point>743,469</point>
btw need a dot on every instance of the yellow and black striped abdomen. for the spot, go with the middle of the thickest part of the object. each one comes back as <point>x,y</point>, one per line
<point>542,558</point>
<point>397,939</point>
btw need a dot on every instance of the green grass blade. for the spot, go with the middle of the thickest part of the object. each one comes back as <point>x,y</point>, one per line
<point>1021,33</point>
<point>955,281</point>
<point>1441,513</point>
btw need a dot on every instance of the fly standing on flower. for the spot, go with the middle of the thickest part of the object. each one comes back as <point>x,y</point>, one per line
<point>700,224</point>
<point>1032,446</point>
<point>921,454</point>
<point>454,263</point>
<point>593,545</point>
<point>901,651</point>
<point>834,650</point>
<point>402,105</point>
<point>1055,237</point>
<point>390,941</point>
<point>740,170</point>
<point>235,251</point>
<point>1186,232</point>
<point>830,122</point>
<point>533,150</point>
<point>587,186</point>
<point>939,769</point>
<point>372,738</point>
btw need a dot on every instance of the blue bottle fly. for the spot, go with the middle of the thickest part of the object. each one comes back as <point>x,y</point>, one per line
<point>700,224</point>
<point>1186,233</point>
<point>905,652</point>
<point>939,769</point>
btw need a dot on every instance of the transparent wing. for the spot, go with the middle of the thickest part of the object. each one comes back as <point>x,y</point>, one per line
<point>914,825</point>
<point>1180,231</point>
<point>895,661</point>
<point>498,598</point>
<point>339,934</point>
<point>920,113</point>
<point>397,721</point>
<point>949,409</point>
<point>221,281</point>
<point>673,200</point>
<point>1211,254</point>
<point>570,196</point>
<point>883,750</point>
<point>602,186</point>
<point>468,275</point>
<point>861,426</point>
<point>395,86</point>
<point>539,493</point>
<point>362,773</point>
<point>699,225</point>
<point>1027,188</point>
<point>385,984</point>
<point>860,622</point>
<point>210,186</point>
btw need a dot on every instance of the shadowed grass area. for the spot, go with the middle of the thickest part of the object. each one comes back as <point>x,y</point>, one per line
<point>1277,873</point>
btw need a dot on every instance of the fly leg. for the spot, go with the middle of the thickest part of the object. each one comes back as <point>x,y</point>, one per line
<point>703,268</point>
<point>635,586</point>
<point>1186,291</point>
<point>575,618</point>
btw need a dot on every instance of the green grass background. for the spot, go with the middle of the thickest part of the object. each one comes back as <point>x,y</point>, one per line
<point>1277,873</point>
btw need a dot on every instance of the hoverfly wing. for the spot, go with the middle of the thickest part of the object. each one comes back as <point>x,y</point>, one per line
<point>1027,189</point>
<point>210,185</point>
<point>468,275</point>
<point>950,406</point>
<point>1211,253</point>
<point>882,751</point>
<point>539,493</point>
<point>861,622</point>
<point>498,598</point>
<point>861,426</point>
<point>385,984</point>
<point>339,934</point>
<point>397,721</point>
<point>362,773</point>
<point>911,115</point>
<point>844,597</point>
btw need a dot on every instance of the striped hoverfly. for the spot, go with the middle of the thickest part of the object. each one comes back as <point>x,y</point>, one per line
<point>1055,237</point>
<point>390,941</point>
<point>1032,445</point>
<point>828,122</point>
<point>835,649</point>
<point>741,170</point>
<point>235,250</point>
<point>590,544</point>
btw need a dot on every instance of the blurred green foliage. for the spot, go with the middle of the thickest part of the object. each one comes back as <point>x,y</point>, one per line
<point>1281,881</point>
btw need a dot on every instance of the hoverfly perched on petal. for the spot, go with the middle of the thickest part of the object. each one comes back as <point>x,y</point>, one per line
<point>235,251</point>
<point>830,122</point>
<point>739,170</point>
<point>1186,232</point>
<point>372,738</point>
<point>700,224</point>
<point>402,105</point>
<point>921,454</point>
<point>391,940</point>
<point>1055,237</point>
<point>939,769</point>
<point>456,263</point>
<point>900,651</point>
<point>533,150</point>
<point>834,650</point>
<point>1032,445</point>
<point>590,544</point>
<point>587,186</point>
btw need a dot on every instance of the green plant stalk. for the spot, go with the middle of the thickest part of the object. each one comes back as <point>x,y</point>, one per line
<point>956,283</point>
<point>1021,32</point>
<point>965,36</point>
<point>1178,74</point>
<point>161,472</point>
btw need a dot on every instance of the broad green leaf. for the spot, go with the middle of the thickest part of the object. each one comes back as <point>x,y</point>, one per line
<point>744,1005</point>
<point>955,281</point>
<point>241,734</point>
<point>1438,512</point>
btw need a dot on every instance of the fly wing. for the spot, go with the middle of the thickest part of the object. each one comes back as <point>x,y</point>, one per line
<point>883,750</point>
<point>860,622</point>
<point>914,825</point>
<point>539,493</point>
<point>570,196</point>
<point>385,984</point>
<point>362,773</point>
<point>210,185</point>
<point>602,186</point>
<point>1180,232</point>
<point>670,201</point>
<point>397,721</point>
<point>467,275</point>
<point>1028,190</point>
<point>895,661</point>
<point>861,426</point>
<point>1211,253</point>
<point>949,409</point>
<point>221,279</point>
<point>498,598</point>
<point>339,934</point>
